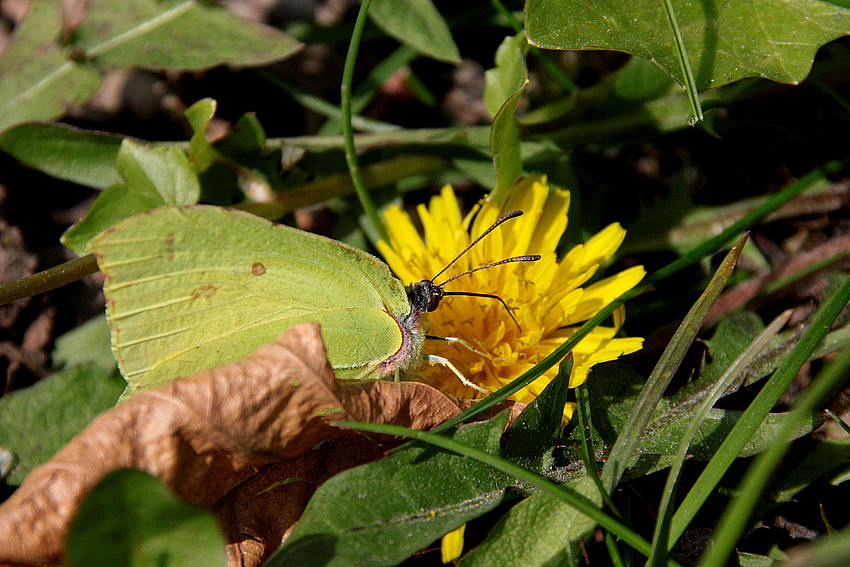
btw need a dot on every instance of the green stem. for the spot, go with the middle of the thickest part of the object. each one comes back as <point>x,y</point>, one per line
<point>347,129</point>
<point>685,65</point>
<point>52,278</point>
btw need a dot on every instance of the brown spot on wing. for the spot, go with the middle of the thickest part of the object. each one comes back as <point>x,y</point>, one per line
<point>258,269</point>
<point>169,246</point>
<point>204,292</point>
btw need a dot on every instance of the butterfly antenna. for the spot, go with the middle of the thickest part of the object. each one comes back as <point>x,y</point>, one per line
<point>490,295</point>
<point>526,258</point>
<point>500,220</point>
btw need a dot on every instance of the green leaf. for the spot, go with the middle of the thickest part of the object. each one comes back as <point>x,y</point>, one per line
<point>658,446</point>
<point>201,153</point>
<point>830,551</point>
<point>246,136</point>
<point>508,77</point>
<point>80,156</point>
<point>821,389</point>
<point>830,457</point>
<point>725,41</point>
<point>153,176</point>
<point>537,531</point>
<point>40,79</point>
<point>733,335</point>
<point>640,79</point>
<point>755,560</point>
<point>382,512</point>
<point>531,437</point>
<point>37,421</point>
<point>176,34</point>
<point>627,441</point>
<point>755,414</point>
<point>505,84</point>
<point>86,344</point>
<point>612,392</point>
<point>130,518</point>
<point>37,80</point>
<point>416,23</point>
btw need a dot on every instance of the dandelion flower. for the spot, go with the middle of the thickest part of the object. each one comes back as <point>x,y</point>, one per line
<point>546,297</point>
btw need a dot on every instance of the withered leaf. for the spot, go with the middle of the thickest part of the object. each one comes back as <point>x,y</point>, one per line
<point>213,432</point>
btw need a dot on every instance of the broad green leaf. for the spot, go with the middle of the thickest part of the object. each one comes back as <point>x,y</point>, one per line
<point>416,23</point>
<point>641,79</point>
<point>698,412</point>
<point>87,343</point>
<point>824,386</point>
<point>40,78</point>
<point>37,421</point>
<point>153,176</point>
<point>176,34</point>
<point>628,439</point>
<point>732,336</point>
<point>540,530</point>
<point>130,518</point>
<point>80,156</point>
<point>381,513</point>
<point>725,41</point>
<point>37,79</point>
<point>505,84</point>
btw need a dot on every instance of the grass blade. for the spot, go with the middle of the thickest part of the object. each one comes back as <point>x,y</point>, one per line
<point>652,391</point>
<point>755,414</point>
<point>738,514</point>
<point>662,526</point>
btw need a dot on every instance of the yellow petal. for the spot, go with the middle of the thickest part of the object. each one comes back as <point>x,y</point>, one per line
<point>601,246</point>
<point>552,223</point>
<point>605,291</point>
<point>397,264</point>
<point>401,231</point>
<point>452,545</point>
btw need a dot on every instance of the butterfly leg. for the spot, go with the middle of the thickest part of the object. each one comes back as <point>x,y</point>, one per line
<point>463,343</point>
<point>432,360</point>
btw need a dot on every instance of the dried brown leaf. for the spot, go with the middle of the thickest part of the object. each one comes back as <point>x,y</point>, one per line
<point>208,436</point>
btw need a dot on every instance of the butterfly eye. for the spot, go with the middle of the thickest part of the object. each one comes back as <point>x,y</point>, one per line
<point>434,297</point>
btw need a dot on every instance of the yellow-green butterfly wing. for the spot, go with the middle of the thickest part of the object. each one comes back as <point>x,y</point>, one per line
<point>188,288</point>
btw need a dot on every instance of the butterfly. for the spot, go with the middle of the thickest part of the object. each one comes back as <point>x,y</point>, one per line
<point>188,288</point>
